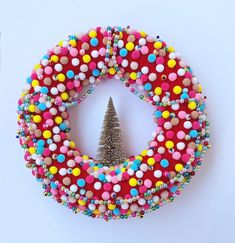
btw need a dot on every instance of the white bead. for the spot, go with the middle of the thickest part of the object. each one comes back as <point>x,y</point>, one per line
<point>62,171</point>
<point>156,98</point>
<point>175,106</point>
<point>44,62</point>
<point>145,70</point>
<point>58,67</point>
<point>61,87</point>
<point>125,206</point>
<point>53,111</point>
<point>187,124</point>
<point>159,68</point>
<point>167,125</point>
<point>180,145</point>
<point>73,188</point>
<point>71,163</point>
<point>75,62</point>
<point>130,172</point>
<point>120,43</point>
<point>82,76</point>
<point>56,130</point>
<point>144,167</point>
<point>66,143</point>
<point>139,174</point>
<point>134,65</point>
<point>172,55</point>
<point>97,185</point>
<point>100,65</point>
<point>142,41</point>
<point>141,201</point>
<point>91,206</point>
<point>116,188</point>
<point>157,173</point>
<point>181,72</point>
<point>52,147</point>
<point>150,152</point>
<point>54,91</point>
<point>124,62</point>
<point>95,53</point>
<point>160,138</point>
<point>84,68</point>
<point>92,80</point>
<point>134,207</point>
<point>152,76</point>
<point>156,199</point>
<point>161,150</point>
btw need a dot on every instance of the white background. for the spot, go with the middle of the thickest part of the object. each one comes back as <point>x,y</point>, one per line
<point>203,32</point>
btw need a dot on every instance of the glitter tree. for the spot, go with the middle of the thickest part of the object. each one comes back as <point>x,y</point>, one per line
<point>110,151</point>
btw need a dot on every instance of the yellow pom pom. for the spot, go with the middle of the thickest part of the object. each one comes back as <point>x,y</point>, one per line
<point>92,34</point>
<point>130,46</point>
<point>165,114</point>
<point>151,161</point>
<point>171,63</point>
<point>158,90</point>
<point>54,58</point>
<point>73,43</point>
<point>159,183</point>
<point>53,170</point>
<point>31,108</point>
<point>192,105</point>
<point>47,134</point>
<point>64,96</point>
<point>169,144</point>
<point>133,75</point>
<point>177,89</point>
<point>61,77</point>
<point>32,150</point>
<point>86,58</point>
<point>76,171</point>
<point>37,118</point>
<point>158,45</point>
<point>179,167</point>
<point>112,71</point>
<point>132,182</point>
<point>58,120</point>
<point>35,83</point>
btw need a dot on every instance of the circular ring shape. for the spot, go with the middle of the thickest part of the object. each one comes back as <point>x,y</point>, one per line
<point>155,73</point>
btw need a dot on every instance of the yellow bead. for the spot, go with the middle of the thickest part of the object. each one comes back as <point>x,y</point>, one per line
<point>177,89</point>
<point>159,183</point>
<point>32,150</point>
<point>171,49</point>
<point>60,43</point>
<point>199,147</point>
<point>95,168</point>
<point>81,202</point>
<point>139,157</point>
<point>53,170</point>
<point>158,90</point>
<point>151,161</point>
<point>130,46</point>
<point>133,75</point>
<point>31,108</point>
<point>112,71</point>
<point>54,58</point>
<point>37,118</point>
<point>123,169</point>
<point>111,206</point>
<point>165,114</point>
<point>143,34</point>
<point>76,171</point>
<point>179,167</point>
<point>86,58</point>
<point>72,144</point>
<point>73,43</point>
<point>37,66</point>
<point>85,157</point>
<point>35,83</point>
<point>144,152</point>
<point>61,77</point>
<point>46,134</point>
<point>58,120</point>
<point>92,34</point>
<point>192,105</point>
<point>64,96</point>
<point>158,45</point>
<point>169,144</point>
<point>132,182</point>
<point>171,63</point>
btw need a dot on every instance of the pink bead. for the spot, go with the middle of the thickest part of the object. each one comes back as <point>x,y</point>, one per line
<point>157,157</point>
<point>160,121</point>
<point>169,134</point>
<point>114,179</point>
<point>64,51</point>
<point>176,155</point>
<point>135,54</point>
<point>70,85</point>
<point>180,135</point>
<point>148,183</point>
<point>78,159</point>
<point>144,50</point>
<point>92,65</point>
<point>165,86</point>
<point>119,59</point>
<point>102,51</point>
<point>105,196</point>
<point>185,158</point>
<point>190,151</point>
<point>182,114</point>
<point>139,81</point>
<point>49,122</point>
<point>144,77</point>
<point>172,76</point>
<point>84,38</point>
<point>107,186</point>
<point>196,125</point>
<point>63,149</point>
<point>160,60</point>
<point>142,189</point>
<point>153,144</point>
<point>192,94</point>
<point>47,115</point>
<point>76,83</point>
<point>46,152</point>
<point>48,70</point>
<point>73,52</point>
<point>90,179</point>
<point>62,135</point>
<point>41,171</point>
<point>188,75</point>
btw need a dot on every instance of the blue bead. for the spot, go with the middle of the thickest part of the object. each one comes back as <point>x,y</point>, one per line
<point>62,126</point>
<point>123,52</point>
<point>164,163</point>
<point>116,211</point>
<point>134,192</point>
<point>134,167</point>
<point>60,158</point>
<point>42,106</point>
<point>193,133</point>
<point>158,114</point>
<point>40,143</point>
<point>101,177</point>
<point>174,189</point>
<point>94,41</point>
<point>147,86</point>
<point>151,58</point>
<point>70,74</point>
<point>53,185</point>
<point>29,80</point>
<point>96,72</point>
<point>44,90</point>
<point>40,150</point>
<point>81,182</point>
<point>184,96</point>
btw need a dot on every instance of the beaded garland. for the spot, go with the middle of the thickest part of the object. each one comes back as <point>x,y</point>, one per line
<point>153,71</point>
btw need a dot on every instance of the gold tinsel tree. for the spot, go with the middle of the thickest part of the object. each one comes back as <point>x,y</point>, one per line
<point>110,151</point>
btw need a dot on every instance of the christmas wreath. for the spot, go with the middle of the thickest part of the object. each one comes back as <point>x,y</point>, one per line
<point>113,185</point>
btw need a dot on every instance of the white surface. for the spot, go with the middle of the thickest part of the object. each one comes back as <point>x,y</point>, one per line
<point>203,31</point>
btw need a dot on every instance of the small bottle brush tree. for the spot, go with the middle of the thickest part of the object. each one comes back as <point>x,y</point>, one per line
<point>110,151</point>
